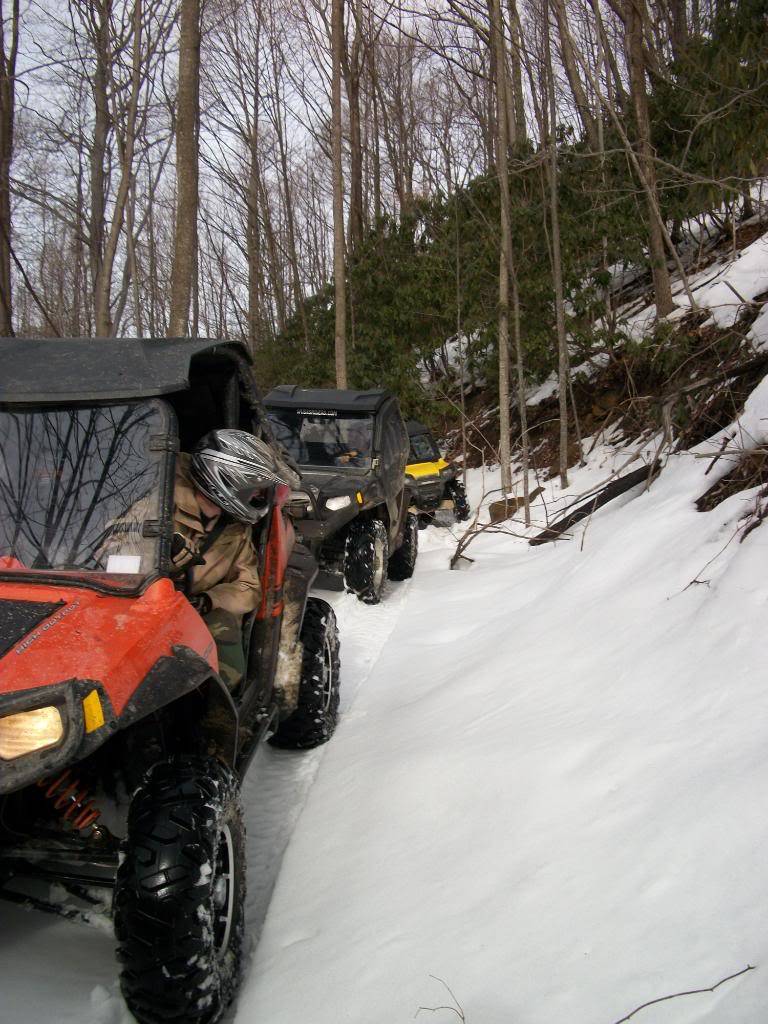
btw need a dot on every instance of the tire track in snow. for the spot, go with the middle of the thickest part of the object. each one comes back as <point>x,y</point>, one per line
<point>279,781</point>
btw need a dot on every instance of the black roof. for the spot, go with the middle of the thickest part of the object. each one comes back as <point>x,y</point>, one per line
<point>289,396</point>
<point>82,369</point>
<point>414,427</point>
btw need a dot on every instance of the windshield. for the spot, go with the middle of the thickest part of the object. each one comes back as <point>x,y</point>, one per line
<point>78,487</point>
<point>327,438</point>
<point>423,448</point>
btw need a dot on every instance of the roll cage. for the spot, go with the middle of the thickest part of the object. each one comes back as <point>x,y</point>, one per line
<point>194,386</point>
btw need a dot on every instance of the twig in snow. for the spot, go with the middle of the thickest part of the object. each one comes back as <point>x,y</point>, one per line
<point>457,1009</point>
<point>723,446</point>
<point>758,515</point>
<point>740,297</point>
<point>692,992</point>
<point>712,559</point>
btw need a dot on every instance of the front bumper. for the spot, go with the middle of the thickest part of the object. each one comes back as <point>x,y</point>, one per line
<point>430,495</point>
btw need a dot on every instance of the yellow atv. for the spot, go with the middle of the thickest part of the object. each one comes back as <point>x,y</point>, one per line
<point>435,483</point>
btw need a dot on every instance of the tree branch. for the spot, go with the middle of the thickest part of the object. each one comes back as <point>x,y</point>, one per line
<point>692,992</point>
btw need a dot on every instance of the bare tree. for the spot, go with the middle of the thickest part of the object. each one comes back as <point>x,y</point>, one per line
<point>8,53</point>
<point>187,116</point>
<point>549,106</point>
<point>505,248</point>
<point>634,15</point>
<point>339,269</point>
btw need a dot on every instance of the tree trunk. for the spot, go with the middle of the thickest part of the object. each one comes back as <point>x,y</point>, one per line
<point>103,296</point>
<point>187,116</point>
<point>516,35</point>
<point>376,154</point>
<point>7,116</point>
<point>285,178</point>
<point>253,246</point>
<point>549,101</point>
<point>275,271</point>
<point>524,446</point>
<point>102,320</point>
<point>339,274</point>
<point>572,71</point>
<point>601,151</point>
<point>634,11</point>
<point>505,248</point>
<point>351,68</point>
<point>356,218</point>
<point>679,26</point>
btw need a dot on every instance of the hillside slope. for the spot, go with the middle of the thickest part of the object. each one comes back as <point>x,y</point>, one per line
<point>550,793</point>
<point>547,802</point>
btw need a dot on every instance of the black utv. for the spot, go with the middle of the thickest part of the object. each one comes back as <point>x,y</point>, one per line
<point>352,449</point>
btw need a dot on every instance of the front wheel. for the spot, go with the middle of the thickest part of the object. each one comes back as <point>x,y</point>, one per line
<point>180,892</point>
<point>461,508</point>
<point>314,720</point>
<point>403,561</point>
<point>366,553</point>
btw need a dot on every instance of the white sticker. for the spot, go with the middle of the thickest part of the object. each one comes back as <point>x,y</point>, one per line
<point>124,563</point>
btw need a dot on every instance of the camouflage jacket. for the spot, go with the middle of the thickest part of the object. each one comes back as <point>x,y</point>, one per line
<point>229,572</point>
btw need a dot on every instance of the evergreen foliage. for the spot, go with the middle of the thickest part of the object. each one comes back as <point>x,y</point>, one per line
<point>403,290</point>
<point>712,113</point>
<point>411,279</point>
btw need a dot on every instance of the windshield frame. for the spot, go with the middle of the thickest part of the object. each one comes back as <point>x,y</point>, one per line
<point>161,448</point>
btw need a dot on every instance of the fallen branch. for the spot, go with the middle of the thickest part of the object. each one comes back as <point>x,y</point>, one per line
<point>457,1009</point>
<point>720,378</point>
<point>602,497</point>
<point>692,992</point>
<point>476,531</point>
<point>739,296</point>
<point>706,455</point>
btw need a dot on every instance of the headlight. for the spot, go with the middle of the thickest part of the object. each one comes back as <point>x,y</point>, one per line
<point>29,731</point>
<point>339,502</point>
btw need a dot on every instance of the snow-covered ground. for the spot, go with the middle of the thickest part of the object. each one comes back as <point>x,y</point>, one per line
<point>550,793</point>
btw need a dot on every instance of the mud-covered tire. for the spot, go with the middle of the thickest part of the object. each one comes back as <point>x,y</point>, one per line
<point>461,509</point>
<point>314,720</point>
<point>403,561</point>
<point>366,553</point>
<point>180,892</point>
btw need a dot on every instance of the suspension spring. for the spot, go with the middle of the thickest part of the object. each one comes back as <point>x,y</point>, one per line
<point>72,798</point>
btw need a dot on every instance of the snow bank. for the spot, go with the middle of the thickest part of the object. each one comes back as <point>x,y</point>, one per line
<point>551,791</point>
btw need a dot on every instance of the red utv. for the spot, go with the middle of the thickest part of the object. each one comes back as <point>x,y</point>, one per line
<point>108,676</point>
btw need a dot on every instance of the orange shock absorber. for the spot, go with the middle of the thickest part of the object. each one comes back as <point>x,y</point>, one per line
<point>72,798</point>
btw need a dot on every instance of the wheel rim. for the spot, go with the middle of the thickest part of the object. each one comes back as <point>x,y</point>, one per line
<point>223,892</point>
